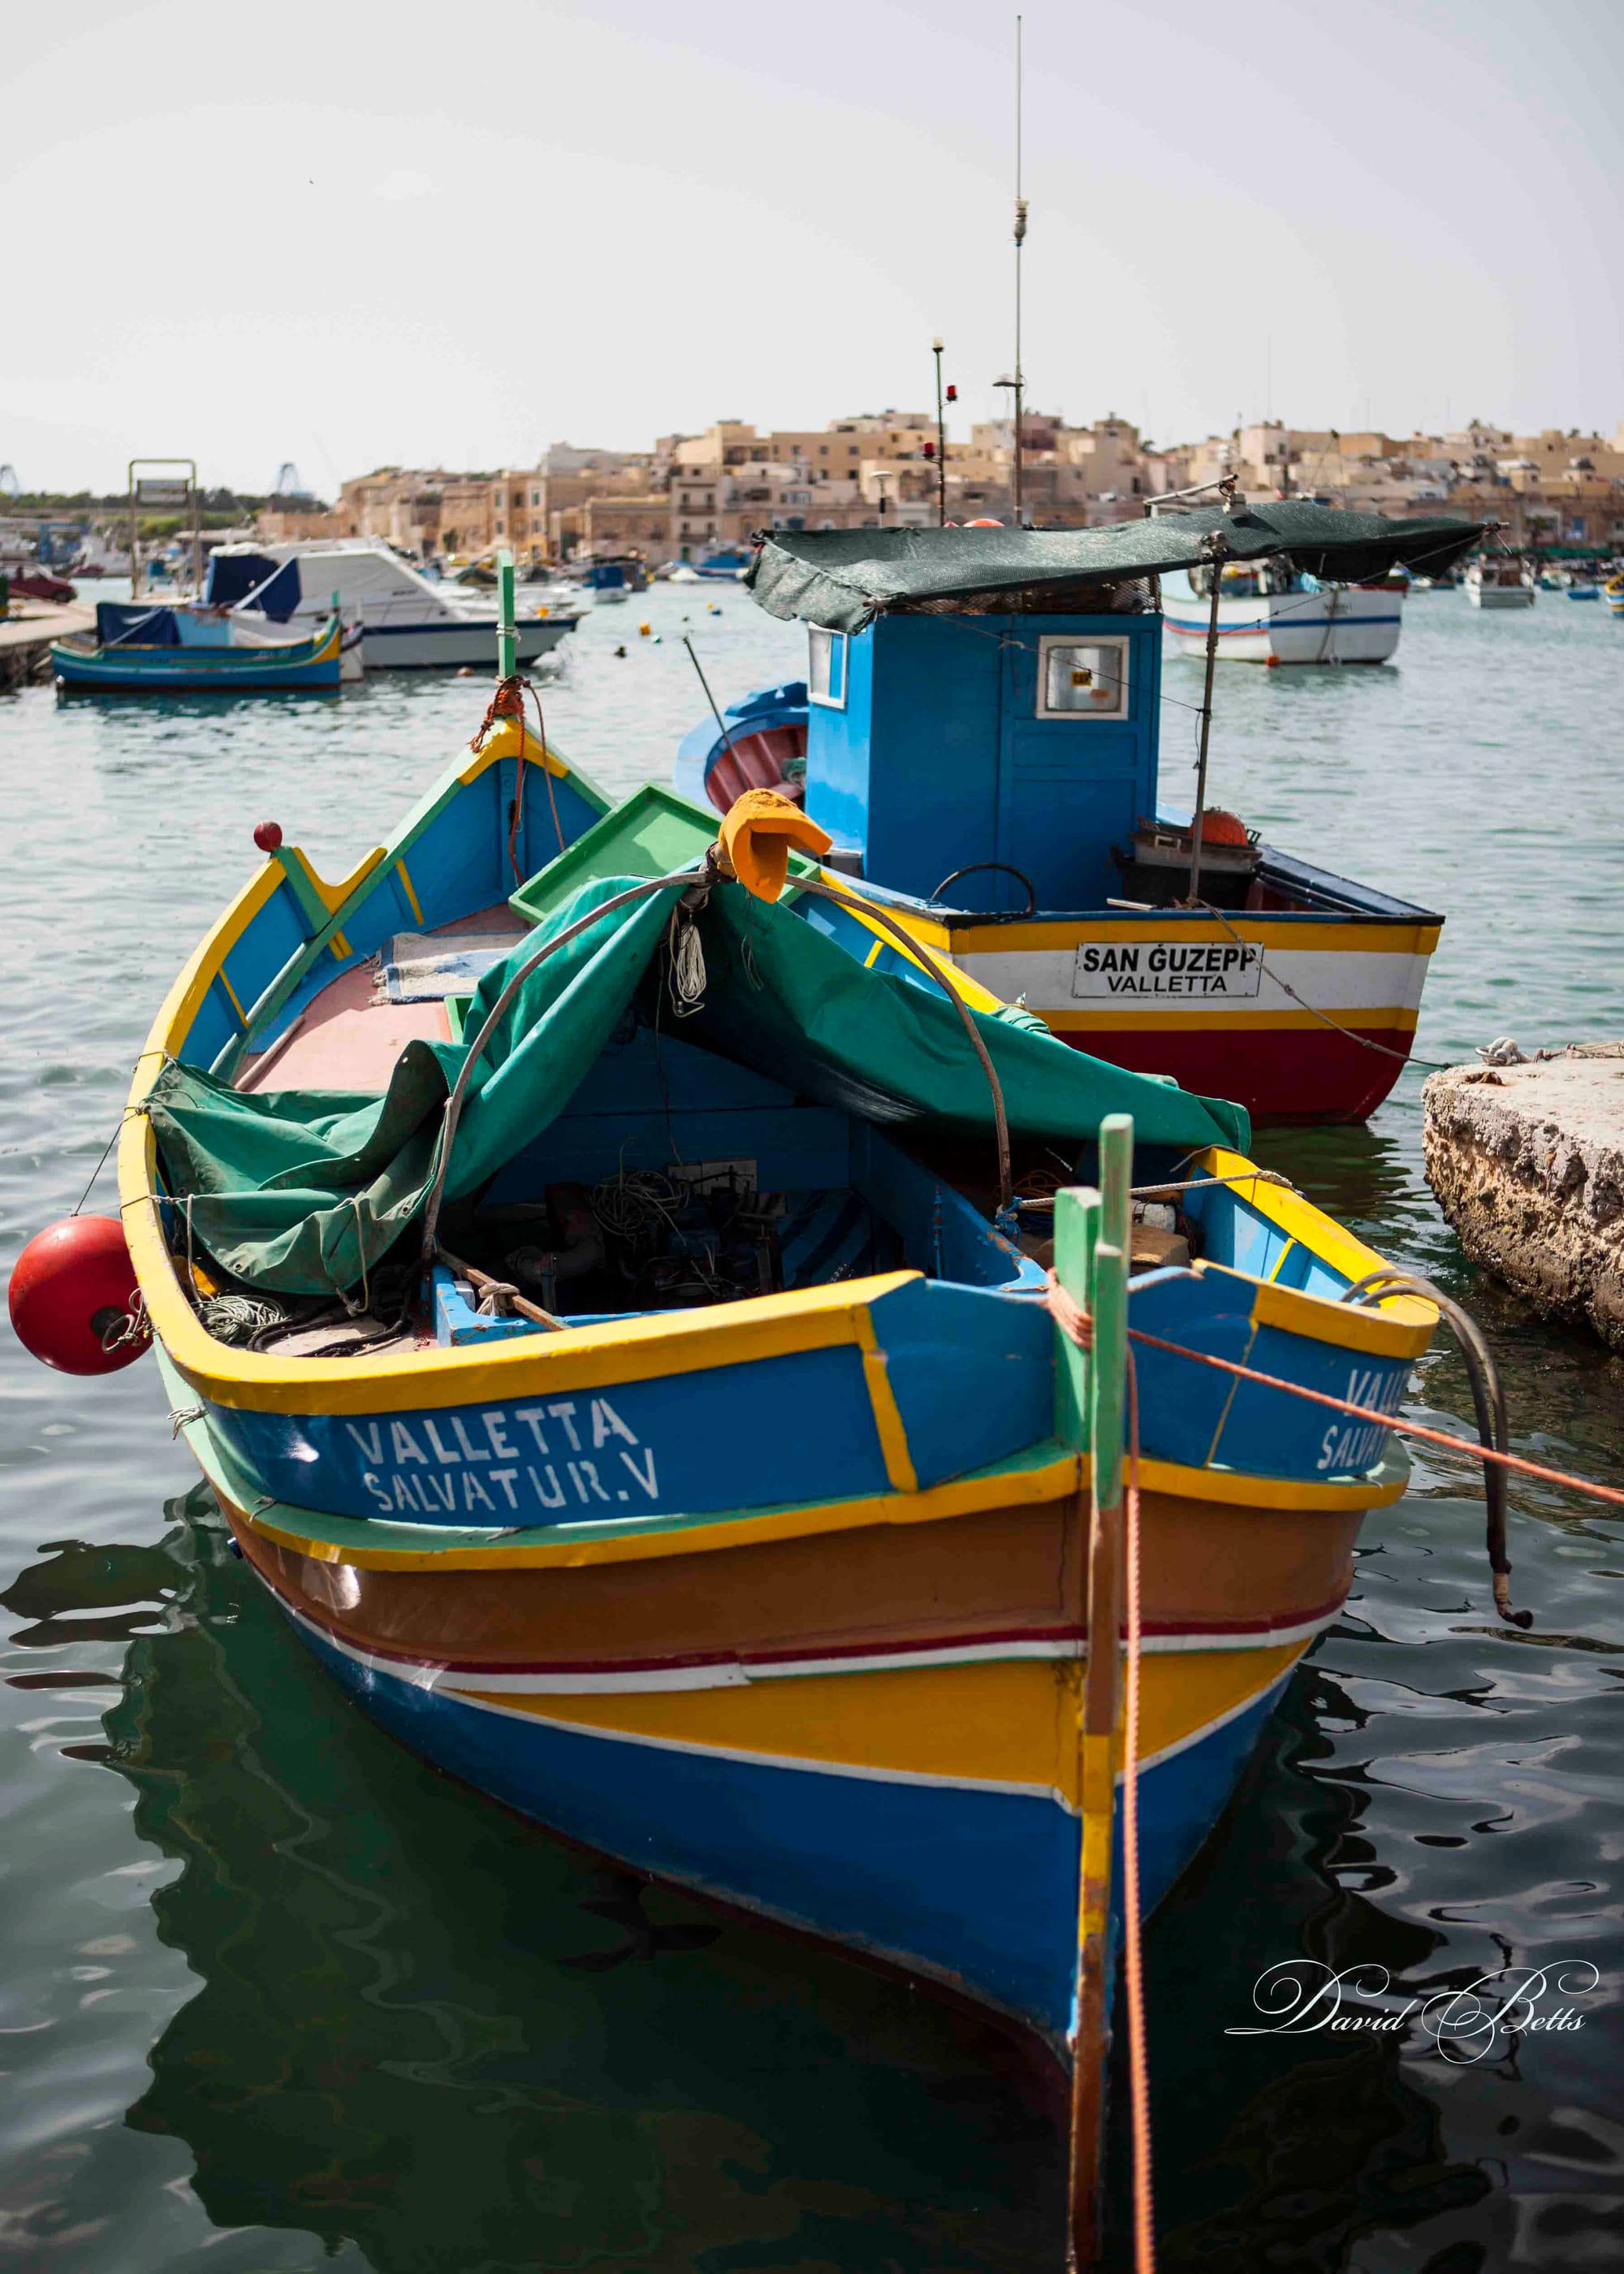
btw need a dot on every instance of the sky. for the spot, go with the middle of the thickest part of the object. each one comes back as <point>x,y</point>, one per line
<point>348,234</point>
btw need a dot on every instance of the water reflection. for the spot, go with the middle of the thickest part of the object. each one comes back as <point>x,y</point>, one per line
<point>427,2028</point>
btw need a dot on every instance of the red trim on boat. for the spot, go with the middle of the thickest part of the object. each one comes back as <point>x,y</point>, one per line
<point>321,1615</point>
<point>1280,1075</point>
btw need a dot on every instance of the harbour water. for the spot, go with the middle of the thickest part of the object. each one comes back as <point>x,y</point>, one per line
<point>277,1997</point>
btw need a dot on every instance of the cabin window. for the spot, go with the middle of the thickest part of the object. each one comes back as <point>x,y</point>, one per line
<point>826,667</point>
<point>1082,679</point>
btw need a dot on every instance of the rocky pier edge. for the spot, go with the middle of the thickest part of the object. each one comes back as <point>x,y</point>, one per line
<point>1527,1161</point>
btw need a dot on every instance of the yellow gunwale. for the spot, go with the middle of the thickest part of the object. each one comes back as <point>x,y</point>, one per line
<point>1400,1326</point>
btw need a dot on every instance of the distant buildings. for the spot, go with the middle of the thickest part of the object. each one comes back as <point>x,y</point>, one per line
<point>693,494</point>
<point>1546,489</point>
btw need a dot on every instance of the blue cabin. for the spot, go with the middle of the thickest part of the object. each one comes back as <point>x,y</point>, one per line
<point>1023,740</point>
<point>984,705</point>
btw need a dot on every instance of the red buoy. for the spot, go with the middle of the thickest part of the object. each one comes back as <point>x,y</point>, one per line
<point>72,1290</point>
<point>267,835</point>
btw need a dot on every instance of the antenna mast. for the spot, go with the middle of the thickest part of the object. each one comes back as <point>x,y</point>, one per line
<point>1020,238</point>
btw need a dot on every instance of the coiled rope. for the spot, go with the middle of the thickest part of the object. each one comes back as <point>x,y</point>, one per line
<point>508,702</point>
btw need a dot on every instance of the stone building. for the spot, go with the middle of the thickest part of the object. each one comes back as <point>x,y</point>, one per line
<point>635,524</point>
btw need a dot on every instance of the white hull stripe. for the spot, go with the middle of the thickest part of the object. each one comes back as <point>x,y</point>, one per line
<point>544,1681</point>
<point>1330,979</point>
<point>803,1763</point>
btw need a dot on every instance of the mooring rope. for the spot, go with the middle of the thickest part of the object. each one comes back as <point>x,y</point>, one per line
<point>1384,1050</point>
<point>1075,1323</point>
<point>1134,1956</point>
<point>1512,1461</point>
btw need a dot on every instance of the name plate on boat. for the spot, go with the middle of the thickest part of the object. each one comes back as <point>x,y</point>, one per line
<point>1166,969</point>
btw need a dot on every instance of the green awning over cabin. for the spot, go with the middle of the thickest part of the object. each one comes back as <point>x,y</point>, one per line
<point>843,578</point>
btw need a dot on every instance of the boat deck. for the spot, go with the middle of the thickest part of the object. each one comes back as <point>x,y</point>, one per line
<point>347,1039</point>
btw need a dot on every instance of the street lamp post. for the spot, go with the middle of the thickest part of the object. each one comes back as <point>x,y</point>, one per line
<point>935,348</point>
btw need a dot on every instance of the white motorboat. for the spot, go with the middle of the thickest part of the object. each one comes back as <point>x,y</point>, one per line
<point>1499,582</point>
<point>408,622</point>
<point>1268,613</point>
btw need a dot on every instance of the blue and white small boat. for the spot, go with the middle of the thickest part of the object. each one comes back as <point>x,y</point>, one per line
<point>165,649</point>
<point>611,580</point>
<point>730,564</point>
<point>406,623</point>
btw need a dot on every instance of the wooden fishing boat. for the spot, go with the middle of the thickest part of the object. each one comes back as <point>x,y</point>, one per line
<point>744,1542</point>
<point>184,650</point>
<point>979,734</point>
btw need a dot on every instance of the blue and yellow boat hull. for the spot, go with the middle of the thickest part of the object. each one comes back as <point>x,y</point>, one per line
<point>782,1599</point>
<point>859,1718</point>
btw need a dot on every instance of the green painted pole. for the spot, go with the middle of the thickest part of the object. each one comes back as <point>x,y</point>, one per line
<point>1109,1384</point>
<point>507,636</point>
<point>1077,1227</point>
<point>1091,1262</point>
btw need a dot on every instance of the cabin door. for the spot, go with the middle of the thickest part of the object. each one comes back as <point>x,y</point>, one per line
<point>1075,771</point>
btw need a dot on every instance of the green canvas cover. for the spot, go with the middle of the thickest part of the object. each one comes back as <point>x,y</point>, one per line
<point>843,578</point>
<point>298,1192</point>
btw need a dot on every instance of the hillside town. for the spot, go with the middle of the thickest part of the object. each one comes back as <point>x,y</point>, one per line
<point>691,495</point>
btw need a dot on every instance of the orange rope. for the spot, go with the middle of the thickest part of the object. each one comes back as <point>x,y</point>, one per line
<point>1139,2066</point>
<point>1075,1323</point>
<point>1387,1421</point>
<point>508,703</point>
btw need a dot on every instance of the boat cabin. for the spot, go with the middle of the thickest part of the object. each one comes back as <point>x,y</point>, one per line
<point>980,724</point>
<point>1031,737</point>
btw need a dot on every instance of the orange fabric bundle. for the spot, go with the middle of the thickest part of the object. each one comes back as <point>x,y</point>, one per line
<point>756,836</point>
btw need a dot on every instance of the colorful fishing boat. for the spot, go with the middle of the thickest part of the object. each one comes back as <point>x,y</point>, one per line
<point>572,1295</point>
<point>151,650</point>
<point>1612,592</point>
<point>979,734</point>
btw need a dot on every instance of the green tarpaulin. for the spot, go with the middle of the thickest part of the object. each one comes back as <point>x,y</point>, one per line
<point>843,578</point>
<point>296,1192</point>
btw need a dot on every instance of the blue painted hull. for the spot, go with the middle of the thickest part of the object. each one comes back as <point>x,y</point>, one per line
<point>300,666</point>
<point>975,1889</point>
